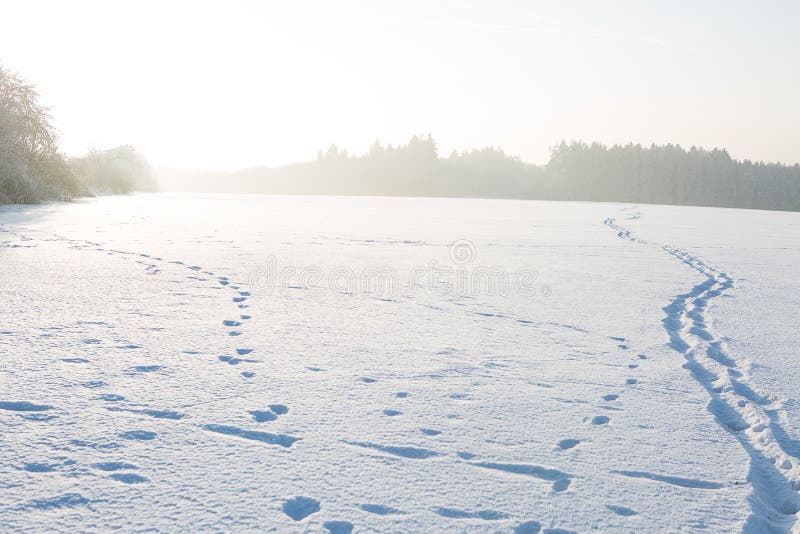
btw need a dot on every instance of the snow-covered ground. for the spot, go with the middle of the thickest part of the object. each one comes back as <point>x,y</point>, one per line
<point>248,363</point>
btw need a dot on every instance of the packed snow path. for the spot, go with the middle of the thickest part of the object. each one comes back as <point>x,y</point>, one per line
<point>752,418</point>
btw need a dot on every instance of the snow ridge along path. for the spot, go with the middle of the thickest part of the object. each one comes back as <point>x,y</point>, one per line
<point>752,418</point>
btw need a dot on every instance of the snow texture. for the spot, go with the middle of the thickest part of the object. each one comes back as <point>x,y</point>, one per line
<point>153,376</point>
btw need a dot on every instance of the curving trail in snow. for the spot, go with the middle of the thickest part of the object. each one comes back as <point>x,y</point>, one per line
<point>752,418</point>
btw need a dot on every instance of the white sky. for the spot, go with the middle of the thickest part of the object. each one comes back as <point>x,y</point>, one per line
<point>225,85</point>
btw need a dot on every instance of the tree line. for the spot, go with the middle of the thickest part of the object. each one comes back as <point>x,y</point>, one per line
<point>411,169</point>
<point>32,169</point>
<point>668,174</point>
<point>671,174</point>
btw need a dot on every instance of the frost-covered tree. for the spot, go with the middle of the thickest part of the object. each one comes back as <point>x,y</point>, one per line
<point>113,171</point>
<point>31,167</point>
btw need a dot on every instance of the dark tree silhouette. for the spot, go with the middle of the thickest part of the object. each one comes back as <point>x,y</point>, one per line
<point>667,174</point>
<point>670,174</point>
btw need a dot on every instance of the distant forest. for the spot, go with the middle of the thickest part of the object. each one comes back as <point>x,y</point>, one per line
<point>666,174</point>
<point>32,169</point>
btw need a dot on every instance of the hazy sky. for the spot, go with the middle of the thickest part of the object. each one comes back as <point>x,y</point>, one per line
<point>234,84</point>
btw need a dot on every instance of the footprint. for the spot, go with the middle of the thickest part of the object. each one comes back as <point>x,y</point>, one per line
<point>621,510</point>
<point>113,466</point>
<point>234,333</point>
<point>414,453</point>
<point>229,322</point>
<point>487,515</point>
<point>380,509</point>
<point>145,368</point>
<point>632,366</point>
<point>430,431</point>
<point>279,409</point>
<point>24,406</point>
<point>160,414</point>
<point>392,413</point>
<point>248,374</point>
<point>106,446</point>
<point>110,397</point>
<point>299,508</point>
<point>68,500</point>
<point>631,381</point>
<point>338,527</point>
<point>265,437</point>
<point>234,361</point>
<point>465,455</point>
<point>568,443</point>
<point>369,380</point>
<point>243,352</point>
<point>561,485</point>
<point>38,468</point>
<point>239,299</point>
<point>262,416</point>
<point>610,397</point>
<point>94,384</point>
<point>140,435</point>
<point>75,360</point>
<point>129,478</point>
<point>401,395</point>
<point>528,527</point>
<point>600,419</point>
<point>642,357</point>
